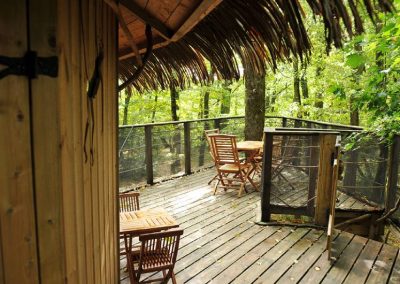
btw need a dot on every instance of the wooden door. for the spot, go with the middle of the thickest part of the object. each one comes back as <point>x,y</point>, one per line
<point>18,240</point>
<point>58,213</point>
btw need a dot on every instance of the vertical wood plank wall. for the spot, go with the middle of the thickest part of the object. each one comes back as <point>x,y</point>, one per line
<point>89,185</point>
<point>18,246</point>
<point>58,215</point>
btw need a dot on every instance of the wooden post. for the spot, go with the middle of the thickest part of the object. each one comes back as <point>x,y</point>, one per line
<point>393,174</point>
<point>186,132</point>
<point>266,178</point>
<point>297,123</point>
<point>149,153</point>
<point>217,123</point>
<point>309,124</point>
<point>284,122</point>
<point>313,174</point>
<point>324,183</point>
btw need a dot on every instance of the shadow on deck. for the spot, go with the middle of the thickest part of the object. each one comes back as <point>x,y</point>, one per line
<point>222,244</point>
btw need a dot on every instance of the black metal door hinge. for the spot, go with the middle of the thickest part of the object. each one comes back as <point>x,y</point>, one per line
<point>30,65</point>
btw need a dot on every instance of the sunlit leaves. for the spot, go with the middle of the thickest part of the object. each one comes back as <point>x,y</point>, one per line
<point>355,60</point>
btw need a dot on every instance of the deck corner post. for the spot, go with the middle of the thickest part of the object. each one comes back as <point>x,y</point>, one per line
<point>217,123</point>
<point>327,143</point>
<point>284,122</point>
<point>394,161</point>
<point>148,140</point>
<point>266,177</point>
<point>186,133</point>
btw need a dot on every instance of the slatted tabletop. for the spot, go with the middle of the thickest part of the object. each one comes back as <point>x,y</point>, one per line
<point>146,221</point>
<point>249,145</point>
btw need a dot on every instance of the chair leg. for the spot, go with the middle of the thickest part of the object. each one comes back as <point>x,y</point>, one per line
<point>216,187</point>
<point>241,189</point>
<point>173,278</point>
<point>211,180</point>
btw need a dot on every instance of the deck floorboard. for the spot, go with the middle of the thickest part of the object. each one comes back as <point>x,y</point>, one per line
<point>222,244</point>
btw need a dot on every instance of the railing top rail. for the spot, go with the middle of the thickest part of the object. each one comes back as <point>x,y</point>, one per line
<point>352,127</point>
<point>349,127</point>
<point>315,129</point>
<point>300,132</point>
<point>179,122</point>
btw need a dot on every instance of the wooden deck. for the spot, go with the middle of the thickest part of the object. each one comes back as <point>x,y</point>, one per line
<point>222,244</point>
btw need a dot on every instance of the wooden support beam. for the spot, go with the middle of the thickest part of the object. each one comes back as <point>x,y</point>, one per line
<point>313,174</point>
<point>266,178</point>
<point>327,144</point>
<point>143,15</point>
<point>393,174</point>
<point>204,8</point>
<point>188,164</point>
<point>149,153</point>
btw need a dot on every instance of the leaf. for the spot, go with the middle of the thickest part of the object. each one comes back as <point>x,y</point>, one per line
<point>355,60</point>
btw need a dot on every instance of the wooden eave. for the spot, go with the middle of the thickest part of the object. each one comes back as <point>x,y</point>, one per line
<point>170,20</point>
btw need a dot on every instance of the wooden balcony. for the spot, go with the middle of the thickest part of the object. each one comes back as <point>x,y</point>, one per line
<point>223,244</point>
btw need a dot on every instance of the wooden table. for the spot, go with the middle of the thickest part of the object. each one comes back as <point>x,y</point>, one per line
<point>249,146</point>
<point>146,221</point>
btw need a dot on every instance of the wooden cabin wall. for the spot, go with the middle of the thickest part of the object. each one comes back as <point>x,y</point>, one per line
<point>18,240</point>
<point>58,214</point>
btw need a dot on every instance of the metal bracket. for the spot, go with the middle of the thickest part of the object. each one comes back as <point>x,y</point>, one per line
<point>30,65</point>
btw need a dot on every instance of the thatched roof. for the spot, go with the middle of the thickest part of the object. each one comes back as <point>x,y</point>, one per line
<point>258,32</point>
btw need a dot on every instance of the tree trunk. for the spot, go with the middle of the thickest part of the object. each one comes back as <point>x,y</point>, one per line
<point>226,99</point>
<point>174,103</point>
<point>296,86</point>
<point>126,106</point>
<point>202,149</point>
<point>319,103</point>
<point>254,103</point>
<point>354,114</point>
<point>304,85</point>
<point>303,80</point>
<point>153,115</point>
<point>176,143</point>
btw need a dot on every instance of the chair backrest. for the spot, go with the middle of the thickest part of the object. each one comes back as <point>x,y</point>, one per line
<point>129,201</point>
<point>207,133</point>
<point>224,149</point>
<point>159,250</point>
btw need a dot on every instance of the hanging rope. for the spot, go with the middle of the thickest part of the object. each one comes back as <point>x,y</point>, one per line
<point>149,50</point>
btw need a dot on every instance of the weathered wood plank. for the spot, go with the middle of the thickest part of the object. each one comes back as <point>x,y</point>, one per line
<point>382,267</point>
<point>324,192</point>
<point>210,260</point>
<point>395,275</point>
<point>289,258</point>
<point>359,272</point>
<point>299,268</point>
<point>17,210</point>
<point>318,270</point>
<point>345,261</point>
<point>231,252</point>
<point>251,257</point>
<point>46,141</point>
<point>256,269</point>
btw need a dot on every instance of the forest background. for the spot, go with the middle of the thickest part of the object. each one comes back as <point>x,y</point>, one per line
<point>356,85</point>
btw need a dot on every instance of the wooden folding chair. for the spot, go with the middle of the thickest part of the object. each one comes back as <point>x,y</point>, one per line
<point>207,133</point>
<point>230,169</point>
<point>129,201</point>
<point>158,252</point>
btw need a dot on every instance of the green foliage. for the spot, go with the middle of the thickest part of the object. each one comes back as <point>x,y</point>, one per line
<point>363,77</point>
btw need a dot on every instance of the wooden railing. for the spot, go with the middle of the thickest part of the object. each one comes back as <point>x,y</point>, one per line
<point>152,152</point>
<point>192,133</point>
